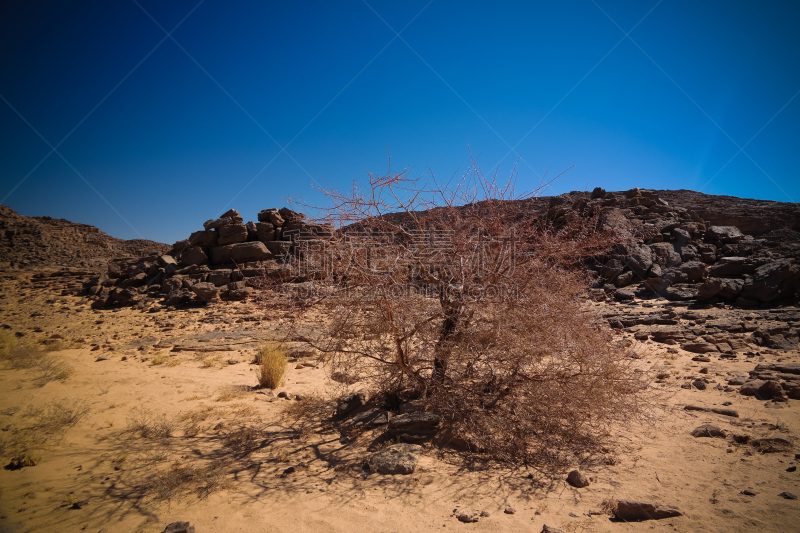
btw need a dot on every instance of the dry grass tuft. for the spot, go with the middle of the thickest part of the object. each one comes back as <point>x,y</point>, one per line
<point>147,425</point>
<point>232,392</point>
<point>179,479</point>
<point>272,363</point>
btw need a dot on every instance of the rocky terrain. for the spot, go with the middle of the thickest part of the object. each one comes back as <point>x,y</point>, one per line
<point>37,242</point>
<point>162,346</point>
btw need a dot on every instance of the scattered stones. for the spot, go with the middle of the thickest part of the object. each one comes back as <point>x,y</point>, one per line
<point>396,459</point>
<point>468,516</point>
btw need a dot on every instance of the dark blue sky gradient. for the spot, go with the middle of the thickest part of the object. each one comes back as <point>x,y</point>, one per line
<point>176,140</point>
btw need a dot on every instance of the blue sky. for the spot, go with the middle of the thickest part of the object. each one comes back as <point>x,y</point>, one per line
<point>246,103</point>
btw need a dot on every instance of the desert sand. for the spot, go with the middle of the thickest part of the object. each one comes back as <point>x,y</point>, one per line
<point>171,427</point>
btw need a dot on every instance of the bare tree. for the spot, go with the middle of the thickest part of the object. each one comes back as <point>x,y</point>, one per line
<point>455,294</point>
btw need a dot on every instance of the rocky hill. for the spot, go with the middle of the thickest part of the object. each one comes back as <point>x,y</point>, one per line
<point>35,242</point>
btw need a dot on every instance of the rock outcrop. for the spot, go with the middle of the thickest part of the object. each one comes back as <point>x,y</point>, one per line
<point>222,261</point>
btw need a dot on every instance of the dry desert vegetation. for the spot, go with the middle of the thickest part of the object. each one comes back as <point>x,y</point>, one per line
<point>581,402</point>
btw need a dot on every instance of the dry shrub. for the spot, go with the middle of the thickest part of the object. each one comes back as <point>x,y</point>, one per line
<point>181,479</point>
<point>232,392</point>
<point>461,297</point>
<point>307,416</point>
<point>31,356</point>
<point>244,440</point>
<point>148,425</point>
<point>165,360</point>
<point>272,363</point>
<point>43,426</point>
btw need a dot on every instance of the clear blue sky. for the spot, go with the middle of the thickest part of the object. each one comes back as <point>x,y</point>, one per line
<point>248,102</point>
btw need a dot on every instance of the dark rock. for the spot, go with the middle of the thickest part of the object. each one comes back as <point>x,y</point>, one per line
<point>232,234</point>
<point>510,510</point>
<point>708,430</point>
<point>724,234</point>
<point>219,277</point>
<point>551,529</point>
<point>792,469</point>
<point>577,479</point>
<point>787,495</point>
<point>266,231</point>
<point>178,297</point>
<point>750,388</point>
<point>769,390</point>
<point>680,292</point>
<point>194,256</point>
<point>623,280</point>
<point>239,253</point>
<point>179,527</point>
<point>208,292</point>
<point>371,418</point>
<point>731,267</point>
<point>204,238</point>
<point>699,347</point>
<point>639,258</point>
<point>624,295</point>
<point>748,492</point>
<point>468,516</point>
<point>289,215</point>
<point>772,445</point>
<point>631,511</point>
<point>272,216</point>
<point>779,279</point>
<point>396,459</point>
<point>694,270</point>
<point>415,426</point>
<point>348,404</point>
<point>699,384</point>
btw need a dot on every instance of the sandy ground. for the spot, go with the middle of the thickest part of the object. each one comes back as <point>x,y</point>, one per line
<point>190,439</point>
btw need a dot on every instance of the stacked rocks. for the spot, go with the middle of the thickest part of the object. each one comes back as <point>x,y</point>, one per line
<point>224,260</point>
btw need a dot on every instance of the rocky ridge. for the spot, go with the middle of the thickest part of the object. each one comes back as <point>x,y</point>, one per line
<point>36,242</point>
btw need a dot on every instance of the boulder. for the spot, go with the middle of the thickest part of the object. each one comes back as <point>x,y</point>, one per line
<point>194,256</point>
<point>415,426</point>
<point>272,216</point>
<point>612,269</point>
<point>232,234</point>
<point>779,279</point>
<point>577,479</point>
<point>724,234</point>
<point>177,297</point>
<point>730,267</point>
<point>239,253</point>
<point>751,387</point>
<point>681,292</point>
<point>204,238</point>
<point>348,404</point>
<point>207,292</point>
<point>639,258</point>
<point>288,214</point>
<point>694,270</point>
<point>265,231</point>
<point>397,459</point>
